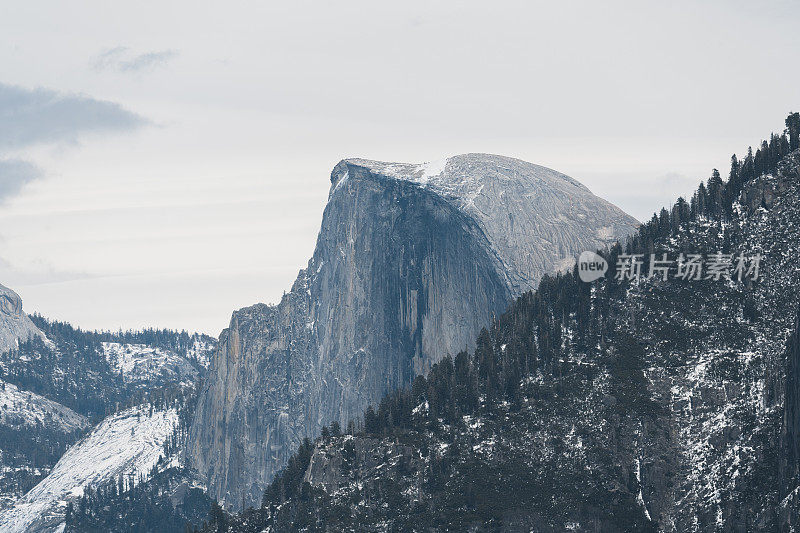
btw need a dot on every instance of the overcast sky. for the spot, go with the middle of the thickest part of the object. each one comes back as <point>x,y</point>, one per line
<point>164,163</point>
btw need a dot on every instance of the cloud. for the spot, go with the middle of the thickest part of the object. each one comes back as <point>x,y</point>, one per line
<point>109,59</point>
<point>38,273</point>
<point>121,59</point>
<point>30,117</point>
<point>148,60</point>
<point>35,116</point>
<point>14,173</point>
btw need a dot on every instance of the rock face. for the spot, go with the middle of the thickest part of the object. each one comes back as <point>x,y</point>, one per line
<point>15,325</point>
<point>790,465</point>
<point>411,261</point>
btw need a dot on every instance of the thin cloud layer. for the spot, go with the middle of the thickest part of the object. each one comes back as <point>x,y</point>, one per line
<point>148,60</point>
<point>29,117</point>
<point>14,174</point>
<point>108,59</point>
<point>121,59</point>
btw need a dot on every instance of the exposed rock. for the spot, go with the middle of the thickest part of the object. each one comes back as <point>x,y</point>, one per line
<point>331,467</point>
<point>790,458</point>
<point>15,325</point>
<point>411,261</point>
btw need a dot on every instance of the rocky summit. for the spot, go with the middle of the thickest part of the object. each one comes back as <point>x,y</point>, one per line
<point>410,262</point>
<point>15,326</point>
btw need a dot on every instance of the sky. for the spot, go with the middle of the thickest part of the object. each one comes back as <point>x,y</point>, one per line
<point>164,163</point>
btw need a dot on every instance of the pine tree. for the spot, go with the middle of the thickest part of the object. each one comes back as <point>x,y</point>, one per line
<point>371,423</point>
<point>218,516</point>
<point>715,194</point>
<point>793,129</point>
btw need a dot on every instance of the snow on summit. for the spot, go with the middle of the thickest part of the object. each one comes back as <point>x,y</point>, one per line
<point>536,219</point>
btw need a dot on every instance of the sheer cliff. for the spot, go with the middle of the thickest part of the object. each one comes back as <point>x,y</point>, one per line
<point>411,261</point>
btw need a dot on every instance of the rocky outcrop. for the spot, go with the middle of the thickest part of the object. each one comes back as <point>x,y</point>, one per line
<point>411,261</point>
<point>332,464</point>
<point>15,326</point>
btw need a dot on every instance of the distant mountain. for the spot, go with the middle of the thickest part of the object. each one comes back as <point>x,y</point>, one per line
<point>411,261</point>
<point>60,382</point>
<point>15,325</point>
<point>125,446</point>
<point>623,405</point>
<point>97,373</point>
<point>34,433</point>
<point>141,363</point>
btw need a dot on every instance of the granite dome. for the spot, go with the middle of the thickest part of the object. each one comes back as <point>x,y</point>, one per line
<point>410,263</point>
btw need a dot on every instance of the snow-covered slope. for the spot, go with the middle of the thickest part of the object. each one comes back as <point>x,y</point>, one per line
<point>143,363</point>
<point>21,408</point>
<point>126,444</point>
<point>201,351</point>
<point>34,432</point>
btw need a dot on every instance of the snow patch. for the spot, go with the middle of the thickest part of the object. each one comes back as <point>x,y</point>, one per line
<point>432,169</point>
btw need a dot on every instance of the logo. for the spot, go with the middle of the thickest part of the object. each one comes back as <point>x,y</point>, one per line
<point>591,266</point>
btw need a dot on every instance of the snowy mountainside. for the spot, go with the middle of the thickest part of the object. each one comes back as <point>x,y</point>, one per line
<point>201,350</point>
<point>196,348</point>
<point>69,366</point>
<point>20,408</point>
<point>95,373</point>
<point>143,363</point>
<point>34,432</point>
<point>127,444</point>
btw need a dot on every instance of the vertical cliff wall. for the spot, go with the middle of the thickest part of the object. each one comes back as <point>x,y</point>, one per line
<point>790,460</point>
<point>411,261</point>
